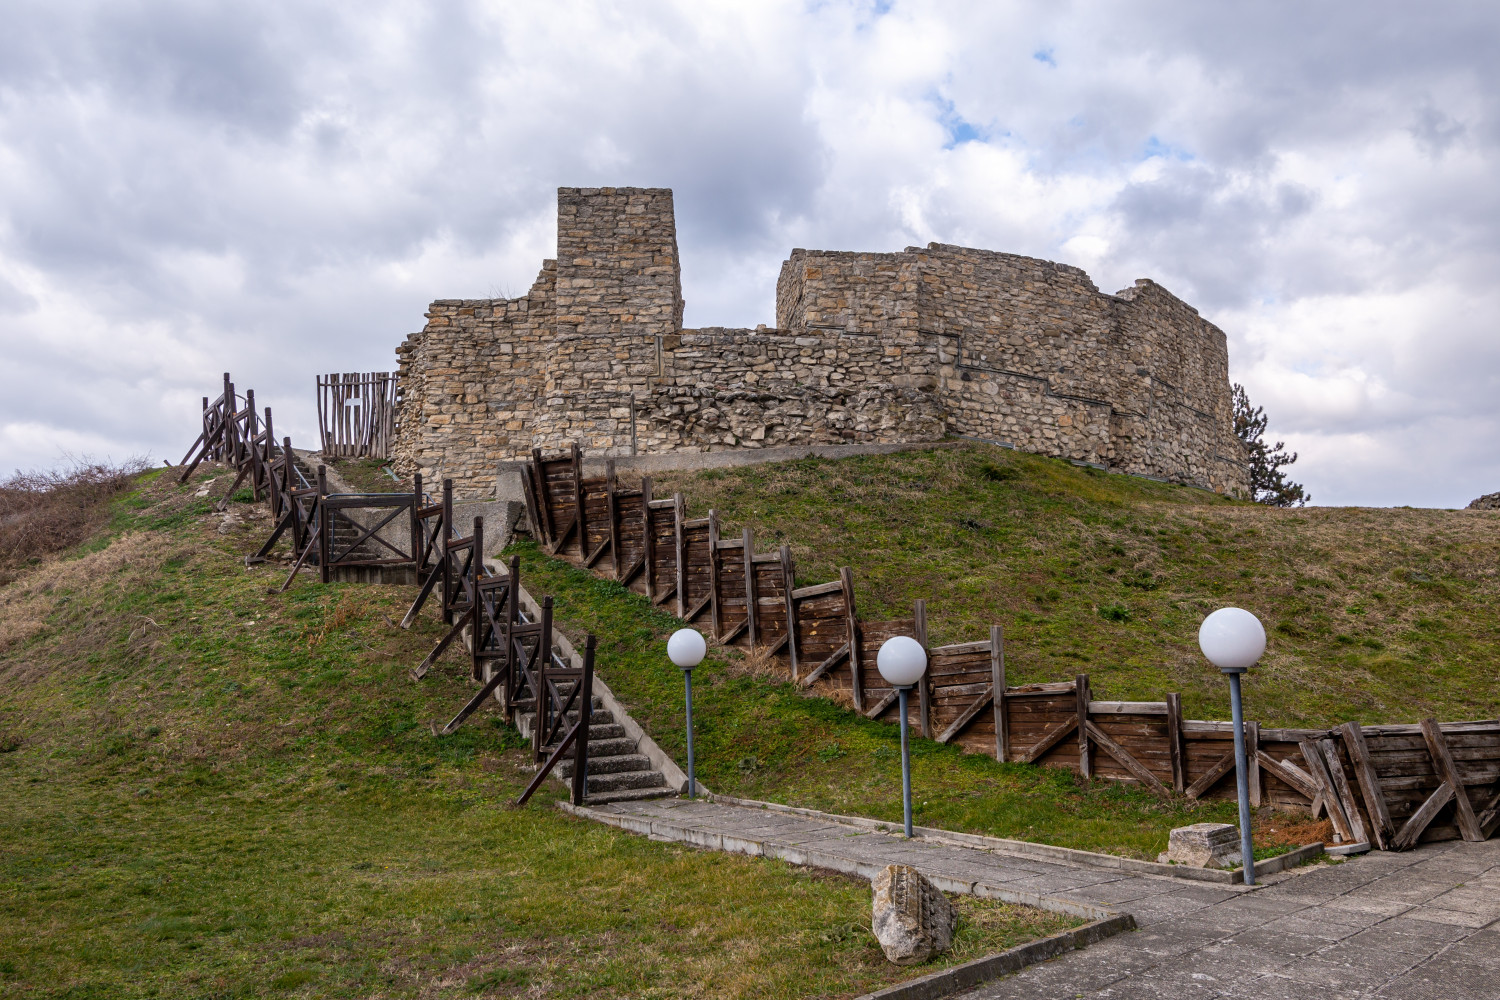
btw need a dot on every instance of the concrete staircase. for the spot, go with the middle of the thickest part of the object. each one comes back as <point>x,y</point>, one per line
<point>617,770</point>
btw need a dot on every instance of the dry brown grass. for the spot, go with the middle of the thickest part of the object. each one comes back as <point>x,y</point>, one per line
<point>46,512</point>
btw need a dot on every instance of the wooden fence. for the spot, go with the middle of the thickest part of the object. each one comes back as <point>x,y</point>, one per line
<point>1391,786</point>
<point>357,414</point>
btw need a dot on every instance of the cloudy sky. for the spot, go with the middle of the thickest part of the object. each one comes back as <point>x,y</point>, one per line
<point>277,189</point>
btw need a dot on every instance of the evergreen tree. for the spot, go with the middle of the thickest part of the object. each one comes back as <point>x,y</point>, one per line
<point>1268,484</point>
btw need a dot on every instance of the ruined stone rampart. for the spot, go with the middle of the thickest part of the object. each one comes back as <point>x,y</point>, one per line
<point>868,347</point>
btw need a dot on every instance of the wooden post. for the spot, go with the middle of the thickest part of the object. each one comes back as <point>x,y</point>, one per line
<point>1085,760</point>
<point>226,454</point>
<point>1369,784</point>
<point>612,507</point>
<point>788,583</point>
<point>585,710</point>
<point>269,456</point>
<point>512,619</point>
<point>748,543</point>
<point>583,525</point>
<point>924,687</point>
<point>1174,742</point>
<point>679,514</point>
<point>648,540</point>
<point>445,531</point>
<point>1252,762</point>
<point>544,497</point>
<point>476,612</point>
<point>325,529</point>
<point>540,695</point>
<point>997,678</point>
<point>857,687</point>
<point>416,524</point>
<point>715,613</point>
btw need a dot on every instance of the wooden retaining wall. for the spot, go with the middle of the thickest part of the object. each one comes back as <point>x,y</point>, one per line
<point>1391,786</point>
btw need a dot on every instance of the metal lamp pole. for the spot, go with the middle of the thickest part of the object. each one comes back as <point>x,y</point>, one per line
<point>686,648</point>
<point>905,762</point>
<point>1241,773</point>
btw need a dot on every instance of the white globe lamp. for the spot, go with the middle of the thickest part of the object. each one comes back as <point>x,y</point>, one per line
<point>1233,640</point>
<point>686,648</point>
<point>902,661</point>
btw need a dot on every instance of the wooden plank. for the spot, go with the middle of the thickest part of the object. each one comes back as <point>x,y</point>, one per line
<point>1369,784</point>
<point>1127,708</point>
<point>612,507</point>
<point>1341,788</point>
<point>576,456</point>
<point>924,686</point>
<point>818,590</point>
<point>788,580</point>
<point>1406,837</point>
<point>982,646</point>
<point>838,655</point>
<point>1211,777</point>
<point>1035,690</point>
<point>1081,693</point>
<point>1442,759</point>
<point>648,543</point>
<point>1312,754</point>
<point>1290,773</point>
<point>1174,742</point>
<point>891,697</point>
<point>997,681</point>
<point>1252,763</point>
<point>851,624</point>
<point>1053,737</point>
<point>968,714</point>
<point>1126,761</point>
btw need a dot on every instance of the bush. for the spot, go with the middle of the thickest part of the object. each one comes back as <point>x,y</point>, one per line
<point>46,512</point>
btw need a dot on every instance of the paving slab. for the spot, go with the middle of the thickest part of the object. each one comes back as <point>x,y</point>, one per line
<point>1421,924</point>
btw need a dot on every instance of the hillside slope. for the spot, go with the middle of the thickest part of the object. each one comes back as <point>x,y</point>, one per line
<point>1380,615</point>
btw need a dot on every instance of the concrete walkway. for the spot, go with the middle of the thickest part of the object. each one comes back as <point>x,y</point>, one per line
<point>1414,925</point>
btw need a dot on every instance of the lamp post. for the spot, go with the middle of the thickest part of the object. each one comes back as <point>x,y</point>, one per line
<point>686,648</point>
<point>1233,640</point>
<point>902,661</point>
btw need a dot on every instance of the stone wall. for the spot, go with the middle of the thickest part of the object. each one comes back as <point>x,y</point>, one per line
<point>868,347</point>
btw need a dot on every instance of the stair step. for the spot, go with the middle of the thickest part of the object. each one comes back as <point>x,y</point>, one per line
<point>618,764</point>
<point>592,798</point>
<point>627,779</point>
<point>606,748</point>
<point>611,731</point>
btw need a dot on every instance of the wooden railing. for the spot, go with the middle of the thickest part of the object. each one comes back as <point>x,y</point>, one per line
<point>1389,785</point>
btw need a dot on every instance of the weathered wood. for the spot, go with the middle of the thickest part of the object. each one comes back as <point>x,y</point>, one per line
<point>838,656</point>
<point>1312,754</point>
<point>891,697</point>
<point>1289,773</point>
<point>997,681</point>
<point>1124,758</point>
<point>1406,837</point>
<point>612,506</point>
<point>788,584</point>
<point>1053,737</point>
<point>679,514</point>
<point>924,686</point>
<point>851,624</point>
<point>1252,763</point>
<point>968,715</point>
<point>580,515</point>
<point>716,613</point>
<point>1383,829</point>
<point>1442,759</point>
<point>1127,708</point>
<point>1081,693</point>
<point>1211,777</point>
<point>751,605</point>
<point>1347,802</point>
<point>648,540</point>
<point>1174,742</point>
<point>818,590</point>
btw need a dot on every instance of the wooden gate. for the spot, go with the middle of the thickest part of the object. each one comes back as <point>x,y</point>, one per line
<point>357,414</point>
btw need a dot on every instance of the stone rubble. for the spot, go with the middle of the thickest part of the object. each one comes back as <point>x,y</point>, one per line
<point>1203,845</point>
<point>912,919</point>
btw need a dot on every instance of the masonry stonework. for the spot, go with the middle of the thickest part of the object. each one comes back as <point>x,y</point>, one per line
<point>868,347</point>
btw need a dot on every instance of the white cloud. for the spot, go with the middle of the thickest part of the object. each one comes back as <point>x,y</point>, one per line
<point>280,189</point>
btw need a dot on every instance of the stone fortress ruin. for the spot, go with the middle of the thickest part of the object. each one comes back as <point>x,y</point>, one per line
<point>901,347</point>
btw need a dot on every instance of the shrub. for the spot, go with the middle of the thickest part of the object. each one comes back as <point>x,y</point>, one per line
<point>46,512</point>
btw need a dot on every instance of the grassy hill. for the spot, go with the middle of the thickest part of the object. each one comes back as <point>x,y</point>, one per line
<point>1379,615</point>
<point>214,791</point>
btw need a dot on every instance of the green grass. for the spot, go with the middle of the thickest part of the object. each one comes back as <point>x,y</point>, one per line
<point>213,791</point>
<point>1373,615</point>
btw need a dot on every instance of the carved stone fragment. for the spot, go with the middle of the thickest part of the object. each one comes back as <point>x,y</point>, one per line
<point>1203,845</point>
<point>912,919</point>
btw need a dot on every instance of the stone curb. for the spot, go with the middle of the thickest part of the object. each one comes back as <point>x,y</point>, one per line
<point>983,970</point>
<point>1026,848</point>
